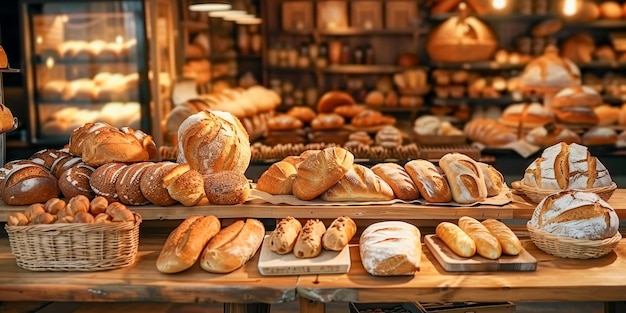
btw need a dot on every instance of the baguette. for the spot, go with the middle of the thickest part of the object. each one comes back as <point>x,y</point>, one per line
<point>283,238</point>
<point>339,234</point>
<point>508,240</point>
<point>487,245</point>
<point>456,239</point>
<point>233,246</point>
<point>309,242</point>
<point>184,245</point>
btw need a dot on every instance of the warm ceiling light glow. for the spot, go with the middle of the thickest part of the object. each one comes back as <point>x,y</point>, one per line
<point>498,4</point>
<point>234,18</point>
<point>119,39</point>
<point>39,40</point>
<point>49,62</point>
<point>205,7</point>
<point>570,7</point>
<point>249,21</point>
<point>226,13</point>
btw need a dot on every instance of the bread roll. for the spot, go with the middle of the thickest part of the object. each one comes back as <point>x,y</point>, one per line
<point>317,173</point>
<point>487,245</point>
<point>359,184</point>
<point>576,96</point>
<point>545,136</point>
<point>17,219</point>
<point>456,239</point>
<point>508,240</point>
<point>309,241</point>
<point>607,115</point>
<point>465,178</point>
<point>339,234</point>
<point>233,246</point>
<point>304,114</point>
<point>332,99</point>
<point>529,115</point>
<point>127,185</point>
<point>494,181</point>
<point>599,136</point>
<point>398,179</point>
<point>489,132</point>
<point>184,245</point>
<point>564,167</point>
<point>325,121</point>
<point>119,213</point>
<point>284,122</point>
<point>284,237</point>
<point>390,248</point>
<point>185,185</point>
<point>226,188</point>
<point>432,186</point>
<point>278,178</point>
<point>576,214</point>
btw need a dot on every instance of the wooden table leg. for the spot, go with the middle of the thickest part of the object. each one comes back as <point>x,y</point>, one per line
<point>308,306</point>
<point>246,308</point>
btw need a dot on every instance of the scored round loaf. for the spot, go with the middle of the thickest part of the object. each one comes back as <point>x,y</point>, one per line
<point>127,184</point>
<point>62,164</point>
<point>320,171</point>
<point>278,178</point>
<point>576,214</point>
<point>227,187</point>
<point>47,157</point>
<point>213,141</point>
<point>151,184</point>
<point>184,185</point>
<point>29,183</point>
<point>75,181</point>
<point>103,180</point>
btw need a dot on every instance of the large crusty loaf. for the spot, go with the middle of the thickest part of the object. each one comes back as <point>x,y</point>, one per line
<point>283,238</point>
<point>494,180</point>
<point>398,179</point>
<point>431,184</point>
<point>27,183</point>
<point>278,178</point>
<point>339,234</point>
<point>233,246</point>
<point>465,178</point>
<point>309,241</point>
<point>320,171</point>
<point>185,243</point>
<point>576,214</point>
<point>390,248</point>
<point>487,245</point>
<point>100,143</point>
<point>489,132</point>
<point>565,167</point>
<point>359,184</point>
<point>213,141</point>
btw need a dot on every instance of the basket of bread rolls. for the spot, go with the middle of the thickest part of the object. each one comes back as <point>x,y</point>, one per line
<point>74,235</point>
<point>565,167</point>
<point>574,224</point>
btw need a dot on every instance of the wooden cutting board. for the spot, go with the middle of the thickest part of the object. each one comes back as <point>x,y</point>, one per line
<point>454,263</point>
<point>328,262</point>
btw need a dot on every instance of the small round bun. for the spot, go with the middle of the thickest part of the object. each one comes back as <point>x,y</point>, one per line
<point>611,10</point>
<point>332,99</point>
<point>228,187</point>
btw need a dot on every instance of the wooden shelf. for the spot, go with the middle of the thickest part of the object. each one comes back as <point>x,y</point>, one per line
<point>596,24</point>
<point>501,101</point>
<point>508,17</point>
<point>478,66</point>
<point>602,65</point>
<point>291,69</point>
<point>362,69</point>
<point>38,59</point>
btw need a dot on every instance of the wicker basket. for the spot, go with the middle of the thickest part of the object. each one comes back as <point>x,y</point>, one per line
<point>537,194</point>
<point>571,248</point>
<point>75,247</point>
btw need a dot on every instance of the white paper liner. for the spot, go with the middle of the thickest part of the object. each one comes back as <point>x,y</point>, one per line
<point>258,196</point>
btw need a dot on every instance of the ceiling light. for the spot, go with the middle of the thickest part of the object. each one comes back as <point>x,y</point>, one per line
<point>249,21</point>
<point>208,5</point>
<point>234,18</point>
<point>226,13</point>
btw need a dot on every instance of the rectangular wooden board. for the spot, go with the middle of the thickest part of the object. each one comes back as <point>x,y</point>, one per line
<point>328,262</point>
<point>453,263</point>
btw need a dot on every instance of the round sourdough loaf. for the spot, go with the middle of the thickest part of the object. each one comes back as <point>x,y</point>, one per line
<point>151,184</point>
<point>226,187</point>
<point>75,181</point>
<point>213,141</point>
<point>566,167</point>
<point>576,214</point>
<point>28,183</point>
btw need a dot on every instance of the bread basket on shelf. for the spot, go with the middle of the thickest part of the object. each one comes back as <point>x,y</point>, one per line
<point>537,194</point>
<point>571,248</point>
<point>75,246</point>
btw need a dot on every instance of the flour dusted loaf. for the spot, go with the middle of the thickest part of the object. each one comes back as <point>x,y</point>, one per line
<point>233,246</point>
<point>390,248</point>
<point>320,171</point>
<point>359,184</point>
<point>213,141</point>
<point>566,167</point>
<point>576,214</point>
<point>465,178</point>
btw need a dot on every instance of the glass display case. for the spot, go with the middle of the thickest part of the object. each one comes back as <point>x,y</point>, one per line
<point>90,61</point>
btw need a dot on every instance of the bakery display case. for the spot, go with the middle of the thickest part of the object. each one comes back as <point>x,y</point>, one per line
<point>90,62</point>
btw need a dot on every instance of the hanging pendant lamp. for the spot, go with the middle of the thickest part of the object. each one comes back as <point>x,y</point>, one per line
<point>209,5</point>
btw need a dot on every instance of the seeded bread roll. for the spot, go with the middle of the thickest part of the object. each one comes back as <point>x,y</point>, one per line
<point>227,187</point>
<point>398,179</point>
<point>151,184</point>
<point>465,178</point>
<point>339,234</point>
<point>309,242</point>
<point>185,185</point>
<point>278,178</point>
<point>284,237</point>
<point>184,245</point>
<point>317,173</point>
<point>433,187</point>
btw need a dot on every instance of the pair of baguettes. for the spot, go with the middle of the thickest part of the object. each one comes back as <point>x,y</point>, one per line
<point>489,239</point>
<point>308,241</point>
<point>219,250</point>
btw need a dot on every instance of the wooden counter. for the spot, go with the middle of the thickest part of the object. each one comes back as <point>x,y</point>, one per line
<point>142,282</point>
<point>555,279</point>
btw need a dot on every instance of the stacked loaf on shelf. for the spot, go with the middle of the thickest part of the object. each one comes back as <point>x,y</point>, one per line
<point>118,114</point>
